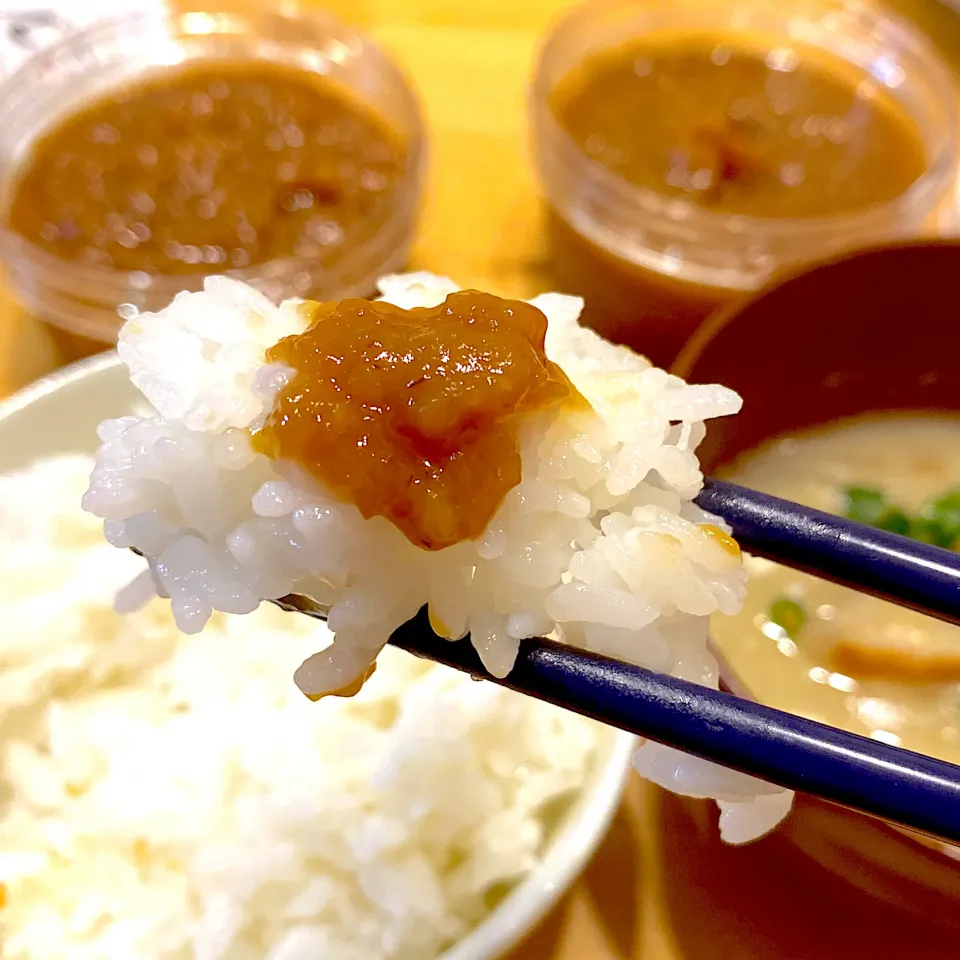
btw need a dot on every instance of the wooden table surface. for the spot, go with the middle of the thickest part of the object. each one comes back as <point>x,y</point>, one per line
<point>659,889</point>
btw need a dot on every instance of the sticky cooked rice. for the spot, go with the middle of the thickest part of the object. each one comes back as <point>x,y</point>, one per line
<point>600,543</point>
<point>176,798</point>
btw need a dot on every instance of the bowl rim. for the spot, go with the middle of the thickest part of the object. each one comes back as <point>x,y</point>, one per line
<point>714,325</point>
<point>580,831</point>
<point>531,900</point>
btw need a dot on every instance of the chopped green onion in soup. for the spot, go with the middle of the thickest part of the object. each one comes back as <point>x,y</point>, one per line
<point>788,614</point>
<point>864,505</point>
<point>945,513</point>
<point>895,521</point>
<point>938,522</point>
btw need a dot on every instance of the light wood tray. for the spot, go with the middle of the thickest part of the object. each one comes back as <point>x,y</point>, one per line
<point>662,886</point>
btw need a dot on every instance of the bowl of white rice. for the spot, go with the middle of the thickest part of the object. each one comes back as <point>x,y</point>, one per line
<point>177,798</point>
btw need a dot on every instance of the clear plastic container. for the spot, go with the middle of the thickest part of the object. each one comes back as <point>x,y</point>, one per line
<point>93,301</point>
<point>651,266</point>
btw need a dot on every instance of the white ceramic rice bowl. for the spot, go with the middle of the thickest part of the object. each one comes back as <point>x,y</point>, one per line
<point>60,413</point>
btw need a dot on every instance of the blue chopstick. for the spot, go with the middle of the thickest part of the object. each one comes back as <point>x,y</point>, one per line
<point>912,574</point>
<point>896,785</point>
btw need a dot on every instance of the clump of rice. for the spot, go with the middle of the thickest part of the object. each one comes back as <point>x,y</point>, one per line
<point>176,798</point>
<point>600,544</point>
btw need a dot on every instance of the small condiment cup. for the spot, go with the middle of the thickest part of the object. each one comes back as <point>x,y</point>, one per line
<point>93,301</point>
<point>651,266</point>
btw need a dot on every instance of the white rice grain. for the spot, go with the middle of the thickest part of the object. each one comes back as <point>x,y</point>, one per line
<point>600,543</point>
<point>176,798</point>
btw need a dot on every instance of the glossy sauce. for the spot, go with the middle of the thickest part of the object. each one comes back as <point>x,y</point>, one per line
<point>736,131</point>
<point>414,415</point>
<point>208,166</point>
<point>856,662</point>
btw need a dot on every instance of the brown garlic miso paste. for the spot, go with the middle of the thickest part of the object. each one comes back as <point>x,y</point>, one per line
<point>413,415</point>
<point>209,165</point>
<point>731,130</point>
<point>737,132</point>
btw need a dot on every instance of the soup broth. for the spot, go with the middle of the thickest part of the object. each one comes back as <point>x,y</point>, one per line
<point>832,654</point>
